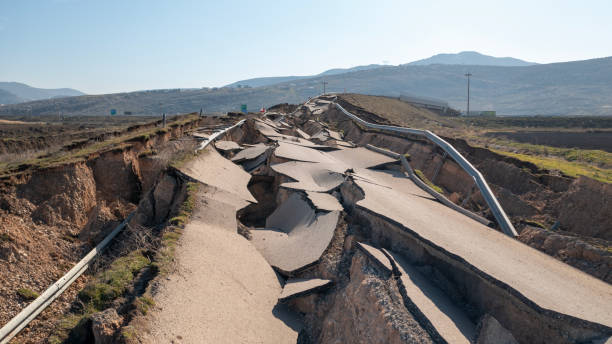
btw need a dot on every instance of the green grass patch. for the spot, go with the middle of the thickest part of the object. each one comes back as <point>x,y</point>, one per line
<point>535,224</point>
<point>569,168</point>
<point>27,294</point>
<point>105,287</point>
<point>143,304</point>
<point>4,237</point>
<point>129,335</point>
<point>112,283</point>
<point>591,156</point>
<point>422,177</point>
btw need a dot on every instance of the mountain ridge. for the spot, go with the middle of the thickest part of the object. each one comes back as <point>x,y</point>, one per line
<point>461,58</point>
<point>22,92</point>
<point>472,58</point>
<point>565,88</point>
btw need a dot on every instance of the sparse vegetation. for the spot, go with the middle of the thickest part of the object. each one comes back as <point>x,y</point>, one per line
<point>173,233</point>
<point>143,304</point>
<point>129,335</point>
<point>422,177</point>
<point>535,224</point>
<point>112,283</point>
<point>80,154</point>
<point>4,237</point>
<point>569,168</point>
<point>596,157</point>
<point>27,294</point>
<point>97,295</point>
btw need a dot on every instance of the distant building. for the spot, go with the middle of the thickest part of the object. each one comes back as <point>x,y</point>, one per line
<point>486,113</point>
<point>439,106</point>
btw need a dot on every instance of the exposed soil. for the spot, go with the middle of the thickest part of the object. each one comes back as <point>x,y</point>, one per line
<point>22,136</point>
<point>52,217</point>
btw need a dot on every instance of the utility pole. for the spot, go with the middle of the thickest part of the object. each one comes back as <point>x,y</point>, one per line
<point>468,100</point>
<point>324,83</point>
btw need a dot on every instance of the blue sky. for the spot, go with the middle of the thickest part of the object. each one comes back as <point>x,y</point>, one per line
<point>126,45</point>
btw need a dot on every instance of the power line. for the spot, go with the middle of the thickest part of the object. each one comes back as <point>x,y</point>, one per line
<point>468,89</point>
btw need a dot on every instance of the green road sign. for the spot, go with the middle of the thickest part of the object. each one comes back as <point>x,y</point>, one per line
<point>243,108</point>
<point>113,112</point>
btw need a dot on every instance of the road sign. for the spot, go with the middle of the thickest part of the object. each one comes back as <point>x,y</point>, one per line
<point>243,108</point>
<point>113,112</point>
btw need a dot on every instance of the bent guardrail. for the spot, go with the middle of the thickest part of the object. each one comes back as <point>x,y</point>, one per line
<point>485,190</point>
<point>21,320</point>
<point>216,135</point>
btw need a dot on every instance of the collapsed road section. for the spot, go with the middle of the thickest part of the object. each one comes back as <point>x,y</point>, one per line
<point>298,235</point>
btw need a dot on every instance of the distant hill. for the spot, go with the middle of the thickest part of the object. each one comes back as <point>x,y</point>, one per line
<point>23,93</point>
<point>569,88</point>
<point>7,97</point>
<point>472,58</point>
<point>267,81</point>
<point>463,58</point>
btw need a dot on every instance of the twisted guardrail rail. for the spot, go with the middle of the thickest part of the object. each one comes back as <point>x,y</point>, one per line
<point>481,183</point>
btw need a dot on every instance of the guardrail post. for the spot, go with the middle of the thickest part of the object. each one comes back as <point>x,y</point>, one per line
<point>439,167</point>
<point>467,198</point>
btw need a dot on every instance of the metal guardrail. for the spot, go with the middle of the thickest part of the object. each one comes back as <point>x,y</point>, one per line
<point>426,187</point>
<point>216,135</point>
<point>485,190</point>
<point>21,320</point>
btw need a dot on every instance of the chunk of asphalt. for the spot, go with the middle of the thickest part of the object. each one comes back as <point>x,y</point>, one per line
<point>295,236</point>
<point>309,176</point>
<point>360,157</point>
<point>299,141</point>
<point>227,145</point>
<point>437,313</point>
<point>301,153</point>
<point>324,201</point>
<point>296,287</point>
<point>265,129</point>
<point>250,165</point>
<point>377,255</point>
<point>303,134</point>
<point>210,168</point>
<point>250,153</point>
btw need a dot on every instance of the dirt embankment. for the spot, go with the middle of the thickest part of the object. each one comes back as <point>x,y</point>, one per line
<point>18,137</point>
<point>51,217</point>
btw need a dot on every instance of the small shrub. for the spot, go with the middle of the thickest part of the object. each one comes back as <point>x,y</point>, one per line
<point>143,304</point>
<point>27,294</point>
<point>4,237</point>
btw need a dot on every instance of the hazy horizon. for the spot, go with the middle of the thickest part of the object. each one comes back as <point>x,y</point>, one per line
<point>113,46</point>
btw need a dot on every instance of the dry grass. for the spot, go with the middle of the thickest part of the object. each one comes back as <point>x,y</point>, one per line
<point>117,142</point>
<point>573,169</point>
<point>401,113</point>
